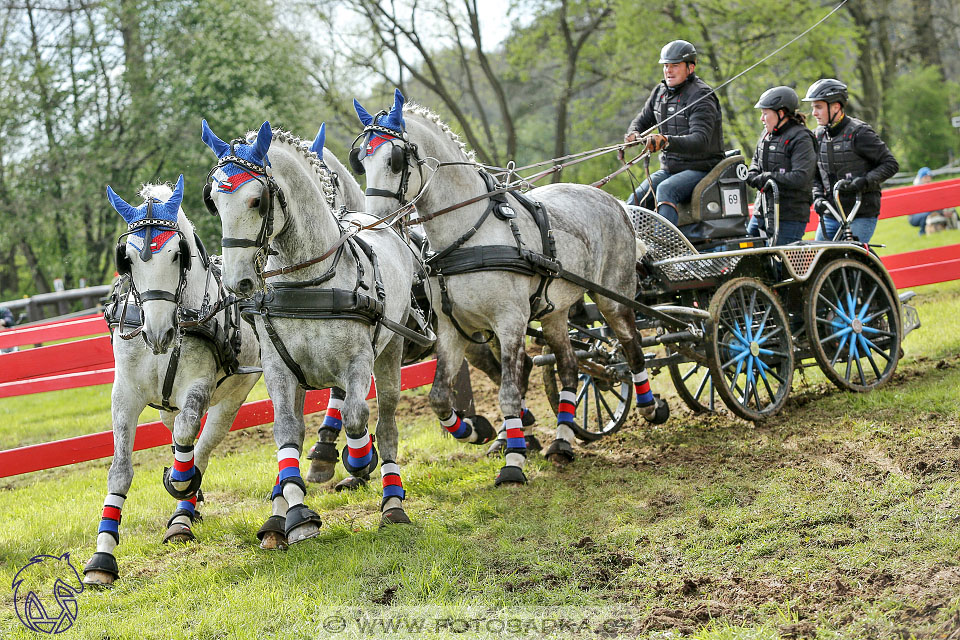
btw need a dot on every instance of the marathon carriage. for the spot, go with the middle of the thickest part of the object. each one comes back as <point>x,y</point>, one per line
<point>736,315</point>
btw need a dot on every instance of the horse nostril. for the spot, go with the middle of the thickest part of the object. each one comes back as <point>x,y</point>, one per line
<point>167,339</point>
<point>245,286</point>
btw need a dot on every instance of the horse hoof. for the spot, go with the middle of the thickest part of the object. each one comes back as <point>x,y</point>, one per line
<point>178,532</point>
<point>393,516</point>
<point>560,453</point>
<point>301,523</point>
<point>533,444</point>
<point>484,430</point>
<point>497,448</point>
<point>94,578</point>
<point>660,413</point>
<point>350,483</point>
<point>272,534</point>
<point>273,541</point>
<point>510,476</point>
<point>320,471</point>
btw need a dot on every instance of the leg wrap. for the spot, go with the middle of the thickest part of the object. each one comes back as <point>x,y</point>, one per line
<point>333,419</point>
<point>110,521</point>
<point>288,460</point>
<point>516,451</point>
<point>183,470</point>
<point>642,385</point>
<point>458,428</point>
<point>567,408</point>
<point>392,484</point>
<point>360,456</point>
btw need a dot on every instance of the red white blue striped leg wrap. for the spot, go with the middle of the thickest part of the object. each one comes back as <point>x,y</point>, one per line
<point>110,523</point>
<point>642,386</point>
<point>566,413</point>
<point>359,453</point>
<point>393,492</point>
<point>333,418</point>
<point>183,467</point>
<point>516,452</point>
<point>458,428</point>
<point>291,484</point>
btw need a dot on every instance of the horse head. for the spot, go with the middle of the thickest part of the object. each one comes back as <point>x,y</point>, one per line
<point>156,267</point>
<point>242,192</point>
<point>388,156</point>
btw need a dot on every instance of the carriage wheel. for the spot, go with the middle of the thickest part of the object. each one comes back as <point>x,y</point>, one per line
<point>750,351</point>
<point>853,325</point>
<point>694,385</point>
<point>603,400</point>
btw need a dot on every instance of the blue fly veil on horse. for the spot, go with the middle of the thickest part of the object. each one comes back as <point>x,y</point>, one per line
<point>145,221</point>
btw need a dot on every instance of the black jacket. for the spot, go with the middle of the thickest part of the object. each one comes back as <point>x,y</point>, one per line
<point>696,135</point>
<point>789,153</point>
<point>850,149</point>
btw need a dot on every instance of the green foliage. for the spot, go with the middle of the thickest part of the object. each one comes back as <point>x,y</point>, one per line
<point>918,113</point>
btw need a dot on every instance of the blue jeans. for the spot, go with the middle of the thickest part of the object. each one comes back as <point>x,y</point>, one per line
<point>790,230</point>
<point>671,189</point>
<point>862,228</point>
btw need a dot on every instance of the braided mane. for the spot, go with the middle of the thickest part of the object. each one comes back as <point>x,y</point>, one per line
<point>326,180</point>
<point>424,112</point>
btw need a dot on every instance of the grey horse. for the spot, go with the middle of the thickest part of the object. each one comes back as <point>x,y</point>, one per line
<point>169,273</point>
<point>276,213</point>
<point>594,240</point>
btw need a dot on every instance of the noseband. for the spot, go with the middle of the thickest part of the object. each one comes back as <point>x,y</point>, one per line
<point>269,191</point>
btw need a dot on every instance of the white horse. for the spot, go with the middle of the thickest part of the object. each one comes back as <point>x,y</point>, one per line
<point>184,372</point>
<point>329,316</point>
<point>594,249</point>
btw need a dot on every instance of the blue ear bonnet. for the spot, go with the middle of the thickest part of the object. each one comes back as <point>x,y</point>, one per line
<point>230,176</point>
<point>163,211</point>
<point>392,121</point>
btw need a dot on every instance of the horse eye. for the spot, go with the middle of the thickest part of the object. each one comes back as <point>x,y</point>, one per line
<point>254,203</point>
<point>175,257</point>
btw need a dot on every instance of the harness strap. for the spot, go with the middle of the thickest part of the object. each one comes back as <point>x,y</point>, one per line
<point>282,349</point>
<point>170,376</point>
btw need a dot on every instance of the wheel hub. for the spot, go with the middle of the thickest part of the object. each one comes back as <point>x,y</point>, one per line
<point>857,325</point>
<point>754,349</point>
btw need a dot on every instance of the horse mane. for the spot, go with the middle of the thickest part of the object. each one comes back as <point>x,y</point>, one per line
<point>427,114</point>
<point>303,147</point>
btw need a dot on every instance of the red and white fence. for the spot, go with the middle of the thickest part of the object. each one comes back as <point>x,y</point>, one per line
<point>89,362</point>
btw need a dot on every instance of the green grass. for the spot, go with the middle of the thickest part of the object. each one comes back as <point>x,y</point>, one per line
<point>837,519</point>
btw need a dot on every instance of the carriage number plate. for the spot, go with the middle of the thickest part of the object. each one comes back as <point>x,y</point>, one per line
<point>731,202</point>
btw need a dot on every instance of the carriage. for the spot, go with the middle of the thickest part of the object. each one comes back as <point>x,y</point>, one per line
<point>736,316</point>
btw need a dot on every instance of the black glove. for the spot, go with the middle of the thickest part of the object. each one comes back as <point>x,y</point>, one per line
<point>763,178</point>
<point>855,184</point>
<point>821,207</point>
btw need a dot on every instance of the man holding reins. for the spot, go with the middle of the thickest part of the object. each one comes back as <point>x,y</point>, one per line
<point>690,139</point>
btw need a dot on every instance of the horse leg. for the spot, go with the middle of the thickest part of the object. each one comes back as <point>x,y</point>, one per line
<point>102,568</point>
<point>483,358</point>
<point>450,350</point>
<point>386,371</point>
<point>182,481</point>
<point>323,455</point>
<point>622,320</point>
<point>560,451</point>
<point>299,521</point>
<point>511,331</point>
<point>360,455</point>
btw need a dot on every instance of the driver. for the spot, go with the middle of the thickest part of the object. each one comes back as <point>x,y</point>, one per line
<point>848,149</point>
<point>690,139</point>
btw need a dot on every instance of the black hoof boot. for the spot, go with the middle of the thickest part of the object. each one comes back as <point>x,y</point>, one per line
<point>184,493</point>
<point>351,483</point>
<point>323,458</point>
<point>301,523</point>
<point>361,472</point>
<point>528,419</point>
<point>484,430</point>
<point>393,516</point>
<point>533,444</point>
<point>178,531</point>
<point>101,570</point>
<point>510,475</point>
<point>662,412</point>
<point>560,453</point>
<point>497,448</point>
<point>273,533</point>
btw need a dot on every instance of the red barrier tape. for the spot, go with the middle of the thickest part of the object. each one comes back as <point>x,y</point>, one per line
<point>925,266</point>
<point>154,434</point>
<point>57,383</point>
<point>82,355</point>
<point>50,332</point>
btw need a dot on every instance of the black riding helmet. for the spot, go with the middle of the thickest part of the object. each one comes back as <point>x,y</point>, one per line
<point>678,51</point>
<point>779,98</point>
<point>828,90</point>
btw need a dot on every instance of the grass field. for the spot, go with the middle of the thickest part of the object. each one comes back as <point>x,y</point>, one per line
<point>840,518</point>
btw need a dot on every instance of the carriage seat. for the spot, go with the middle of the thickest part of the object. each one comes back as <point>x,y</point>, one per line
<point>718,207</point>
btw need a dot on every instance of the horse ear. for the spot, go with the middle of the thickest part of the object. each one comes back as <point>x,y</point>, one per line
<point>264,138</point>
<point>394,119</point>
<point>177,196</point>
<point>217,145</point>
<point>365,118</point>
<point>317,146</point>
<point>127,212</point>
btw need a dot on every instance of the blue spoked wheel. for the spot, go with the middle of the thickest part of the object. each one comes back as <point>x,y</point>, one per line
<point>750,352</point>
<point>853,324</point>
